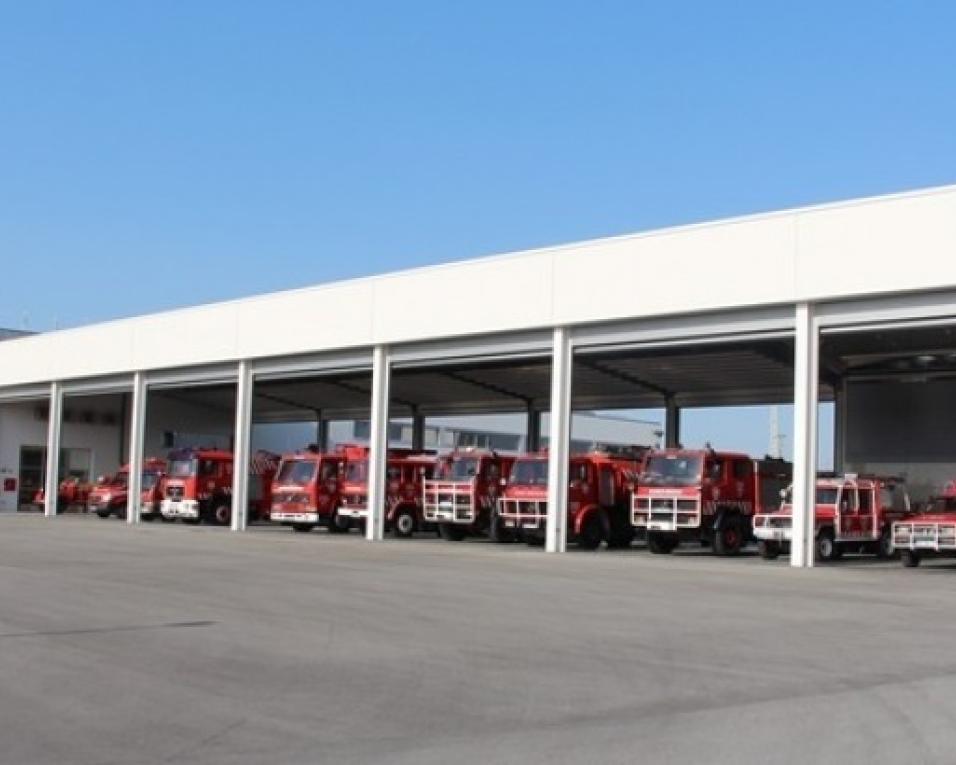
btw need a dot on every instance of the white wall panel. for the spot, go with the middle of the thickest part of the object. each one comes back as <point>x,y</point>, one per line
<point>698,268</point>
<point>885,245</point>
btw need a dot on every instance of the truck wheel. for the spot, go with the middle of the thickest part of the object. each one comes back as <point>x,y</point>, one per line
<point>187,521</point>
<point>337,524</point>
<point>303,527</point>
<point>592,532</point>
<point>827,548</point>
<point>404,523</point>
<point>450,532</point>
<point>910,558</point>
<point>221,515</point>
<point>768,550</point>
<point>621,537</point>
<point>884,549</point>
<point>661,543</point>
<point>103,513</point>
<point>497,531</point>
<point>729,537</point>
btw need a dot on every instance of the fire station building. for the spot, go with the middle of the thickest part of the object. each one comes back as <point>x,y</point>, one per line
<point>851,304</point>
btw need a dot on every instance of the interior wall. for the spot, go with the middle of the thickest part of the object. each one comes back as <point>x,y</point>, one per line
<point>190,423</point>
<point>903,428</point>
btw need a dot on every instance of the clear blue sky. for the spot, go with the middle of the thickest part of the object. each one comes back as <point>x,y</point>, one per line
<point>155,155</point>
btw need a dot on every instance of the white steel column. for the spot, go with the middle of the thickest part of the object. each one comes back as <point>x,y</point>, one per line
<point>52,483</point>
<point>137,433</point>
<point>805,394</point>
<point>241,456</point>
<point>378,444</point>
<point>559,442</point>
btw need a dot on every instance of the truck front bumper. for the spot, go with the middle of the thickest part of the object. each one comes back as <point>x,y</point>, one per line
<point>294,516</point>
<point>180,508</point>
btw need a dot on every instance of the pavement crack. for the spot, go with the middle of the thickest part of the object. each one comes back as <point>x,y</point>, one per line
<point>103,630</point>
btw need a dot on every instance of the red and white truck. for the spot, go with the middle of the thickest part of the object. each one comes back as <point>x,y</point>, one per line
<point>704,496</point>
<point>598,499</point>
<point>852,513</point>
<point>405,472</point>
<point>463,497</point>
<point>305,492</point>
<point>109,495</point>
<point>930,533</point>
<point>198,485</point>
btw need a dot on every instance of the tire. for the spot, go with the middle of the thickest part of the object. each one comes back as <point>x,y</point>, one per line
<point>621,537</point>
<point>884,547</point>
<point>303,527</point>
<point>103,513</point>
<point>910,558</point>
<point>769,550</point>
<point>729,538</point>
<point>661,542</point>
<point>497,531</point>
<point>147,517</point>
<point>404,524</point>
<point>450,532</point>
<point>592,532</point>
<point>221,514</point>
<point>187,521</point>
<point>338,525</point>
<point>827,548</point>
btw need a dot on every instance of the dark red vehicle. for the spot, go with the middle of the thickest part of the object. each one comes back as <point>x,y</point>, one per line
<point>704,496</point>
<point>109,495</point>
<point>305,492</point>
<point>598,499</point>
<point>198,486</point>
<point>71,493</point>
<point>852,513</point>
<point>405,473</point>
<point>930,533</point>
<point>463,497</point>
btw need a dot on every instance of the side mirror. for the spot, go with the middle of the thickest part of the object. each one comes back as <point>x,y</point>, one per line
<point>783,493</point>
<point>503,482</point>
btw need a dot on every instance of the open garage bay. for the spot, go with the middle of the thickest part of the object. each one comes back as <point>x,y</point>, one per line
<point>166,644</point>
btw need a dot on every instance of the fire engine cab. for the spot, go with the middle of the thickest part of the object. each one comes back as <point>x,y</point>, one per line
<point>198,486</point>
<point>705,496</point>
<point>463,498</point>
<point>930,533</point>
<point>305,492</point>
<point>404,473</point>
<point>109,495</point>
<point>598,499</point>
<point>852,513</point>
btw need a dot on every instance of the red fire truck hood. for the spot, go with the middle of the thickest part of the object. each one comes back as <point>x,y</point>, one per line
<point>824,512</point>
<point>941,517</point>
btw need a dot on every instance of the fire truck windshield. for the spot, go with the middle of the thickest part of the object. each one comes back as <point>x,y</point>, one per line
<point>150,479</point>
<point>120,479</point>
<point>530,473</point>
<point>356,472</point>
<point>941,505</point>
<point>298,472</point>
<point>182,468</point>
<point>673,470</point>
<point>461,469</point>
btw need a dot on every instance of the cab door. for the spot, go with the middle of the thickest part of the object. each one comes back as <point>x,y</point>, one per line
<point>867,514</point>
<point>847,518</point>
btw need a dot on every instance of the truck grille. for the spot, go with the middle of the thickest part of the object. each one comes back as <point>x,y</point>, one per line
<point>174,492</point>
<point>679,513</point>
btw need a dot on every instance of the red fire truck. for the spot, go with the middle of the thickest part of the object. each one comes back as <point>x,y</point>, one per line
<point>598,485</point>
<point>70,493</point>
<point>110,494</point>
<point>198,486</point>
<point>930,533</point>
<point>462,499</point>
<point>305,492</point>
<point>705,496</point>
<point>852,513</point>
<point>405,472</point>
